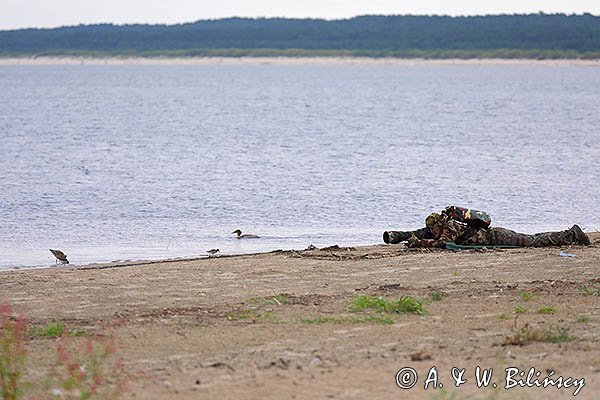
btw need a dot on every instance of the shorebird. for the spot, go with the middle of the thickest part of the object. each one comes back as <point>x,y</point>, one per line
<point>212,251</point>
<point>60,256</point>
<point>245,236</point>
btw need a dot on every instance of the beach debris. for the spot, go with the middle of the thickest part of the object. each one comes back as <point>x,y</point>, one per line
<point>244,236</point>
<point>219,364</point>
<point>315,361</point>
<point>311,247</point>
<point>563,254</point>
<point>60,256</point>
<point>336,247</point>
<point>420,356</point>
<point>212,251</point>
<point>279,363</point>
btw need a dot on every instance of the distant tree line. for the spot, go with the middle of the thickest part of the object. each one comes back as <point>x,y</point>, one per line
<point>508,36</point>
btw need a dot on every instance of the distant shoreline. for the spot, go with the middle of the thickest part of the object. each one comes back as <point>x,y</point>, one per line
<point>74,60</point>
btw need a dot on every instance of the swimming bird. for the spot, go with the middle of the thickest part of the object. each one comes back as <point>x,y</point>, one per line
<point>245,236</point>
<point>60,256</point>
<point>212,251</point>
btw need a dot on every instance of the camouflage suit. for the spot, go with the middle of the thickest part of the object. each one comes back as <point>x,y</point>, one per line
<point>512,238</point>
<point>451,230</point>
<point>459,233</point>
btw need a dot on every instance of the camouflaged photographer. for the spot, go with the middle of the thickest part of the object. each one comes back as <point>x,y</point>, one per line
<point>465,226</point>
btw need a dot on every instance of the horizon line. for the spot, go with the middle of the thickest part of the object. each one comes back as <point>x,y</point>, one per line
<point>123,24</point>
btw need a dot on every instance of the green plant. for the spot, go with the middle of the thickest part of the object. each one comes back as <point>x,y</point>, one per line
<point>57,329</point>
<point>386,320</point>
<point>519,309</point>
<point>526,295</point>
<point>54,330</point>
<point>528,334</point>
<point>12,353</point>
<point>324,320</point>
<point>582,318</point>
<point>436,296</point>
<point>76,333</point>
<point>547,310</point>
<point>278,299</point>
<point>251,313</point>
<point>559,334</point>
<point>405,304</point>
<point>281,299</point>
<point>590,292</point>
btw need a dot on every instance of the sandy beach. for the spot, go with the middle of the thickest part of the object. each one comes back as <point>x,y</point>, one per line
<point>282,325</point>
<point>52,60</point>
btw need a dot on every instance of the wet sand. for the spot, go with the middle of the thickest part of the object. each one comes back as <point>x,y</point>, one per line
<point>279,325</point>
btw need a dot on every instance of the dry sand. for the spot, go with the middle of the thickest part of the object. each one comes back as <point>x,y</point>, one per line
<point>215,327</point>
<point>52,60</point>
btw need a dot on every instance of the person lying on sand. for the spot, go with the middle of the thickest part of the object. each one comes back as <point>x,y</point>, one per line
<point>472,227</point>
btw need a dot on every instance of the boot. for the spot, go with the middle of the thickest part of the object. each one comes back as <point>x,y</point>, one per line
<point>579,236</point>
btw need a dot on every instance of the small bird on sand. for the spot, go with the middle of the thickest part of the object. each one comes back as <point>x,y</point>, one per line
<point>60,256</point>
<point>212,251</point>
<point>245,236</point>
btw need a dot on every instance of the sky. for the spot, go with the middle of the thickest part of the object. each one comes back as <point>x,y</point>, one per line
<point>15,14</point>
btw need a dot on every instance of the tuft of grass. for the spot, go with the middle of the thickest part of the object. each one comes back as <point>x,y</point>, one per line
<point>526,295</point>
<point>547,310</point>
<point>405,304</point>
<point>590,292</point>
<point>436,296</point>
<point>519,309</point>
<point>385,320</point>
<point>76,333</point>
<point>528,334</point>
<point>582,318</point>
<point>503,316</point>
<point>324,320</point>
<point>57,329</point>
<point>559,334</point>
<point>260,308</point>
<point>281,299</point>
<point>250,313</point>
<point>278,299</point>
<point>52,330</point>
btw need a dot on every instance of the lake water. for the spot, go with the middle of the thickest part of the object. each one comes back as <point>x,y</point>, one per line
<point>116,162</point>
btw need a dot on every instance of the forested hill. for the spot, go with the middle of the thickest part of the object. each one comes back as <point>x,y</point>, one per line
<point>577,35</point>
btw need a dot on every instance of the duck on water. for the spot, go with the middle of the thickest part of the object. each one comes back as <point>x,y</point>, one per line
<point>244,236</point>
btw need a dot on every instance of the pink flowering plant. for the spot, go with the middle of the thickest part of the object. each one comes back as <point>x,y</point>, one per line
<point>12,353</point>
<point>81,371</point>
<point>92,371</point>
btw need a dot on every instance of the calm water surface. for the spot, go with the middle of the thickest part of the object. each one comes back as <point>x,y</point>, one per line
<point>114,162</point>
